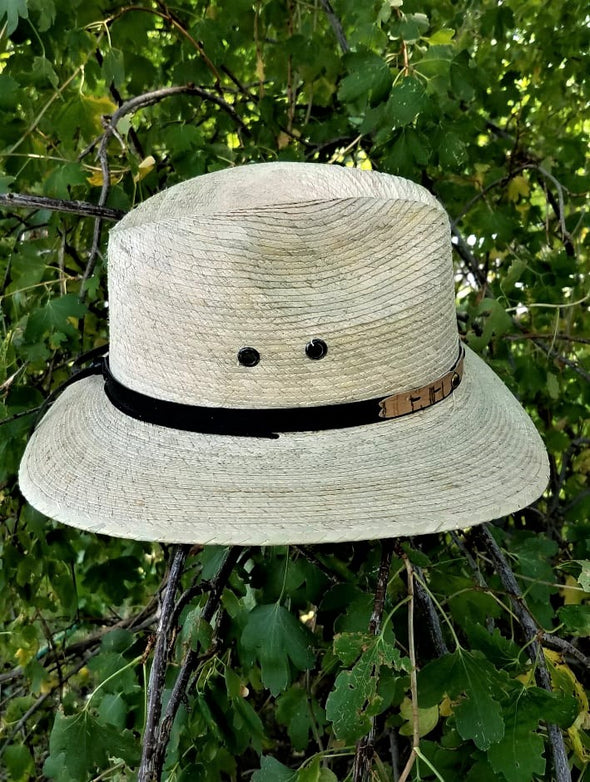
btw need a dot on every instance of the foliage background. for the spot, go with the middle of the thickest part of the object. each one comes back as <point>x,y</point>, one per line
<point>483,102</point>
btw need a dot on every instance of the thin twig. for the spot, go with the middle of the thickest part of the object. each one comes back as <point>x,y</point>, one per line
<point>336,25</point>
<point>189,665</point>
<point>426,606</point>
<point>129,107</point>
<point>565,647</point>
<point>413,673</point>
<point>365,748</point>
<point>532,635</point>
<point>158,670</point>
<point>42,698</point>
<point>83,208</point>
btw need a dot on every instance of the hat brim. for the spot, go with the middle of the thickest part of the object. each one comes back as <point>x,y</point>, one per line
<point>474,457</point>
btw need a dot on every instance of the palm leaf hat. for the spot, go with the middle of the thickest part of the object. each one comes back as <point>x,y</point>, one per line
<point>284,366</point>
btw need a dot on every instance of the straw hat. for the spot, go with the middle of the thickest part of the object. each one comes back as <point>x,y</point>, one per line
<point>284,367</point>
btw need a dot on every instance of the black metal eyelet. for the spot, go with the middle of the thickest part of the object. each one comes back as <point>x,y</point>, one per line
<point>455,380</point>
<point>248,357</point>
<point>316,349</point>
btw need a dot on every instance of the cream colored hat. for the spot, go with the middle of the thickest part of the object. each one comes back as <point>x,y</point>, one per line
<point>284,367</point>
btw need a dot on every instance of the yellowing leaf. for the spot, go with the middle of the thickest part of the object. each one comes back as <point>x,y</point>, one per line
<point>96,179</point>
<point>283,140</point>
<point>518,186</point>
<point>446,707</point>
<point>144,168</point>
<point>427,718</point>
<point>571,592</point>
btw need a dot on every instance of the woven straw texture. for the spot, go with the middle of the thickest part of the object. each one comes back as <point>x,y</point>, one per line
<point>270,256</point>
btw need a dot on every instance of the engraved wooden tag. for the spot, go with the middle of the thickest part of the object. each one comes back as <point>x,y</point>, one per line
<point>420,398</point>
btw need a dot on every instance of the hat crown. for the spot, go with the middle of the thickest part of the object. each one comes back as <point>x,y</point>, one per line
<point>272,257</point>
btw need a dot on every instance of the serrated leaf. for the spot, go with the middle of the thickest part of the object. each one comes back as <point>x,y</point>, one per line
<point>13,9</point>
<point>369,77</point>
<point>519,755</point>
<point>518,186</point>
<point>275,636</point>
<point>43,70</point>
<point>478,715</point>
<point>406,101</point>
<point>80,745</point>
<point>354,699</point>
<point>297,710</point>
<point>113,66</point>
<point>54,316</point>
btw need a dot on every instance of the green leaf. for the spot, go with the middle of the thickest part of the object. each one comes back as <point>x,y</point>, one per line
<point>273,771</point>
<point>43,70</point>
<point>54,316</point>
<point>354,699</point>
<point>80,745</point>
<point>576,619</point>
<point>13,9</point>
<point>406,100</point>
<point>46,12</point>
<point>369,77</point>
<point>19,762</point>
<point>9,90</point>
<point>315,772</point>
<point>584,576</point>
<point>113,66</point>
<point>275,636</point>
<point>298,710</point>
<point>478,715</point>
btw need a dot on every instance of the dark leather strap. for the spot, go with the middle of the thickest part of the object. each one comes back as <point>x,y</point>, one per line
<point>268,422</point>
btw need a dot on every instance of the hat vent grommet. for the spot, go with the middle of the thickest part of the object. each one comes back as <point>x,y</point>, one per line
<point>316,349</point>
<point>248,357</point>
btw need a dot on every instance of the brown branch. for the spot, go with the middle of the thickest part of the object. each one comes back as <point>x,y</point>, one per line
<point>426,606</point>
<point>365,748</point>
<point>83,208</point>
<point>159,664</point>
<point>532,634</point>
<point>130,107</point>
<point>553,337</point>
<point>42,698</point>
<point>189,665</point>
<point>336,25</point>
<point>413,673</point>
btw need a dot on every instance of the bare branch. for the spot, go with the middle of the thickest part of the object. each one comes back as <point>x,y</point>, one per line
<point>83,208</point>
<point>532,635</point>
<point>189,665</point>
<point>336,25</point>
<point>158,669</point>
<point>130,107</point>
<point>413,673</point>
<point>366,746</point>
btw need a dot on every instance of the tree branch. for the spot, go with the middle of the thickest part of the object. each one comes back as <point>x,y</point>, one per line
<point>361,770</point>
<point>532,635</point>
<point>189,665</point>
<point>83,208</point>
<point>336,25</point>
<point>158,669</point>
<point>130,107</point>
<point>413,673</point>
